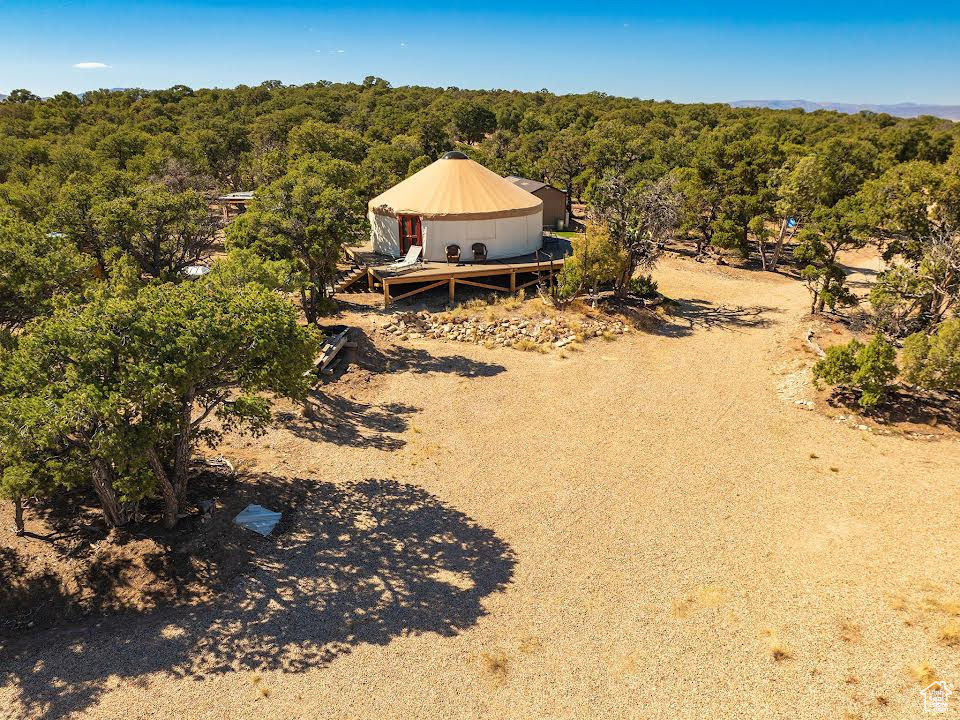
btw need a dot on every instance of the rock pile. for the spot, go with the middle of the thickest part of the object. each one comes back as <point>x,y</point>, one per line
<point>526,332</point>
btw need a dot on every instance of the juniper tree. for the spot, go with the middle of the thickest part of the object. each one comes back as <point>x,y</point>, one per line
<point>114,393</point>
<point>830,231</point>
<point>638,219</point>
<point>305,218</point>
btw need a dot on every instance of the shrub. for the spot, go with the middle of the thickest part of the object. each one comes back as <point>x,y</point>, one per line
<point>933,362</point>
<point>644,286</point>
<point>869,368</point>
<point>596,260</point>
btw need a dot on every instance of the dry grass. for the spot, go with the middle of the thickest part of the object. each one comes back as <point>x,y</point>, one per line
<point>526,345</point>
<point>531,645</point>
<point>779,652</point>
<point>496,665</point>
<point>704,597</point>
<point>777,648</point>
<point>513,302</point>
<point>947,607</point>
<point>850,632</point>
<point>950,633</point>
<point>923,673</point>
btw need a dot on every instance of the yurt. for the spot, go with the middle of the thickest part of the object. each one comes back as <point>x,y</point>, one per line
<point>456,201</point>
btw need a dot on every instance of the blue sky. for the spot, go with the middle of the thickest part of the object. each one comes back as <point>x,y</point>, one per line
<point>683,51</point>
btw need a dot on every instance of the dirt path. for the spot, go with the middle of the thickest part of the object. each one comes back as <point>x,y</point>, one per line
<point>630,532</point>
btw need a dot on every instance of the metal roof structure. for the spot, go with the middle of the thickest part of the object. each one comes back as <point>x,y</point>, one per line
<point>531,186</point>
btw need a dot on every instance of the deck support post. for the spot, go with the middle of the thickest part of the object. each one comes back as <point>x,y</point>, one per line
<point>513,281</point>
<point>451,290</point>
<point>386,293</point>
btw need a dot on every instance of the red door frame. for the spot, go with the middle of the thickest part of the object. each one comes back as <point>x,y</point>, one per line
<point>411,232</point>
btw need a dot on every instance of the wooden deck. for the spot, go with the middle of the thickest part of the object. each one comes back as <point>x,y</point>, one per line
<point>504,275</point>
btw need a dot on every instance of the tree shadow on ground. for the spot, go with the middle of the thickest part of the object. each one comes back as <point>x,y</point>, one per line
<point>905,404</point>
<point>390,358</point>
<point>344,421</point>
<point>352,563</point>
<point>686,316</point>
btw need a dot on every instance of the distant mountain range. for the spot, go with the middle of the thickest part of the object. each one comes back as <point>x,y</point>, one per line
<point>904,110</point>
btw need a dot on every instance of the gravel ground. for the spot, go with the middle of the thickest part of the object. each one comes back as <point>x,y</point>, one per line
<point>645,529</point>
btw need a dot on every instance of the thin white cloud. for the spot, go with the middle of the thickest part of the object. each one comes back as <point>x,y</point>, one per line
<point>90,65</point>
<point>403,45</point>
<point>337,52</point>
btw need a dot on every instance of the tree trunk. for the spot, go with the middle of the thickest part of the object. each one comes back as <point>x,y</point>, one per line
<point>305,303</point>
<point>762,249</point>
<point>18,516</point>
<point>183,448</point>
<point>569,206</point>
<point>313,295</point>
<point>623,284</point>
<point>778,248</point>
<point>818,302</point>
<point>171,503</point>
<point>102,476</point>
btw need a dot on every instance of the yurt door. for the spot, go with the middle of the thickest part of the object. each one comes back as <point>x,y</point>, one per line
<point>410,233</point>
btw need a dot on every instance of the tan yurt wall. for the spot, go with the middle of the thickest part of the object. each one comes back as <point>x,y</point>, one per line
<point>504,237</point>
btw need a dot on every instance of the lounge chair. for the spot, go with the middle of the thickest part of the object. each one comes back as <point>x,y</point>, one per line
<point>479,252</point>
<point>409,260</point>
<point>453,254</point>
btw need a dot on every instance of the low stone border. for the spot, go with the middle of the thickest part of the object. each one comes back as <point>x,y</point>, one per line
<point>506,332</point>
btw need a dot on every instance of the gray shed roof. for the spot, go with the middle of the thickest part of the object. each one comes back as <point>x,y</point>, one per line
<point>531,186</point>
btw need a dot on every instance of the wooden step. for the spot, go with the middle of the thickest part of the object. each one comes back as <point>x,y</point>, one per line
<point>345,281</point>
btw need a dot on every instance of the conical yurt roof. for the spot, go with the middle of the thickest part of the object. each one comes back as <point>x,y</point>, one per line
<point>456,188</point>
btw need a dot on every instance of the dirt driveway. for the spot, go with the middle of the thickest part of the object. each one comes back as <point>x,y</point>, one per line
<point>646,529</point>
